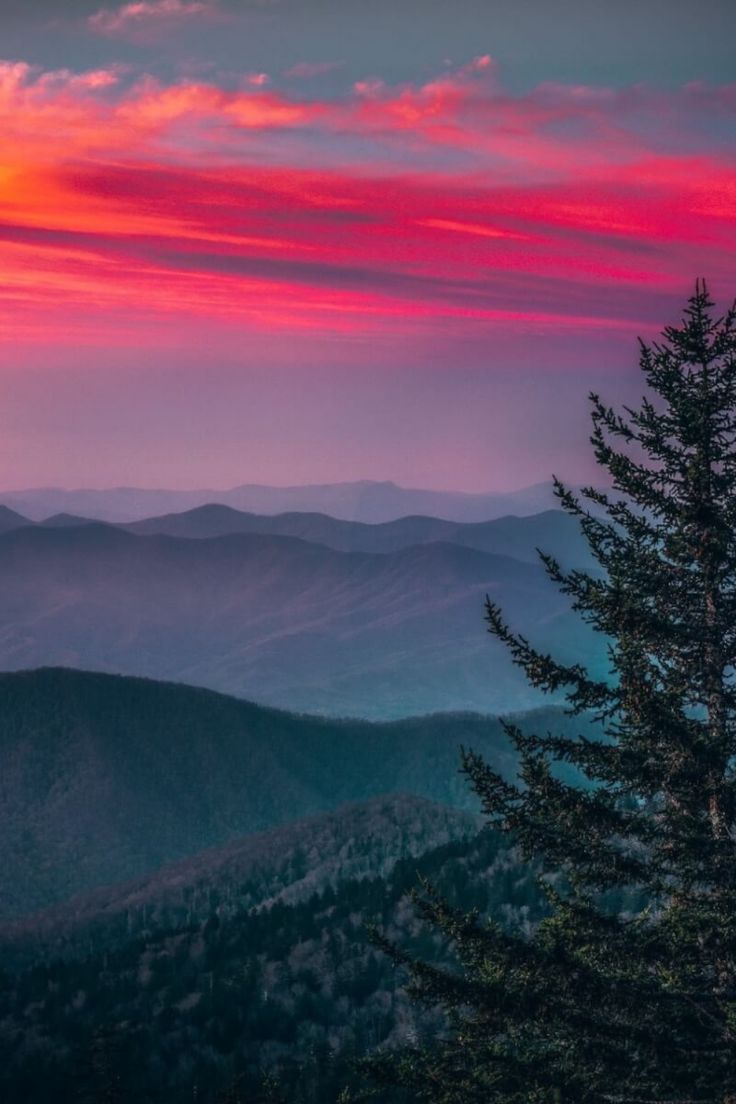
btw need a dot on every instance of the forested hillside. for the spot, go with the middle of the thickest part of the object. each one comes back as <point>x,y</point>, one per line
<point>288,864</point>
<point>293,990</point>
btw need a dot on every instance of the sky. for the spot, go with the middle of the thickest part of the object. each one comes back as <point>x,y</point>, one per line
<point>291,241</point>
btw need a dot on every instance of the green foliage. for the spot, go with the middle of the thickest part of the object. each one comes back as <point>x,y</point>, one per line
<point>627,990</point>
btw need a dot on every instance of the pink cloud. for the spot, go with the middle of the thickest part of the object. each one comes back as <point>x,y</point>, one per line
<point>462,118</point>
<point>458,204</point>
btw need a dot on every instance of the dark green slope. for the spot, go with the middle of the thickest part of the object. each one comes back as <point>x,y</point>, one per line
<point>106,778</point>
<point>288,864</point>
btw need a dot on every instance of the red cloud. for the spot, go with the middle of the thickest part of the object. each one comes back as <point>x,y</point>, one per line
<point>453,204</point>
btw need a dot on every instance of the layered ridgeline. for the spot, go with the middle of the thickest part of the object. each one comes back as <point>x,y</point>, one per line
<point>11,519</point>
<point>107,778</point>
<point>289,622</point>
<point>518,537</point>
<point>365,500</point>
<point>292,989</point>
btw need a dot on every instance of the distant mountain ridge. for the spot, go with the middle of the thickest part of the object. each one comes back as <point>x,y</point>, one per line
<point>510,535</point>
<point>365,501</point>
<point>278,619</point>
<point>520,537</point>
<point>11,519</point>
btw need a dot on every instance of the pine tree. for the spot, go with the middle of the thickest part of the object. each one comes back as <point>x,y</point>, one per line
<point>626,992</point>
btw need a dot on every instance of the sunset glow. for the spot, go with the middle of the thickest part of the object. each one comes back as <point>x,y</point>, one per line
<point>120,189</point>
<point>320,204</point>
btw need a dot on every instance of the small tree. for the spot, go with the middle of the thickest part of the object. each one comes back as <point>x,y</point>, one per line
<point>605,1003</point>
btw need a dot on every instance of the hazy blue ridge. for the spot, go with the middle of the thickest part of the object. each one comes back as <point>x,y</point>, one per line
<point>286,621</point>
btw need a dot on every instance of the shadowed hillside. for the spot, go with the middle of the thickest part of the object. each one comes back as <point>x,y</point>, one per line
<point>107,778</point>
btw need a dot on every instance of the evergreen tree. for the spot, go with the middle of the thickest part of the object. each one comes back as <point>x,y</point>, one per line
<point>627,990</point>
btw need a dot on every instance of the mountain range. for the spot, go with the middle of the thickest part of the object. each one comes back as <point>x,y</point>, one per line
<point>520,537</point>
<point>187,875</point>
<point>366,501</point>
<point>281,620</point>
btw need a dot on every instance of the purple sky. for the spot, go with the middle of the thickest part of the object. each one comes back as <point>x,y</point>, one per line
<point>302,241</point>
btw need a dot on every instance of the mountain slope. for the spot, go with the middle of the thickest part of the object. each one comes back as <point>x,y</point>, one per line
<point>299,990</point>
<point>279,620</point>
<point>9,520</point>
<point>107,778</point>
<point>66,521</point>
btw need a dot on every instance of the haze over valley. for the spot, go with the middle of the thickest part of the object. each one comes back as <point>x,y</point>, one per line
<point>299,611</point>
